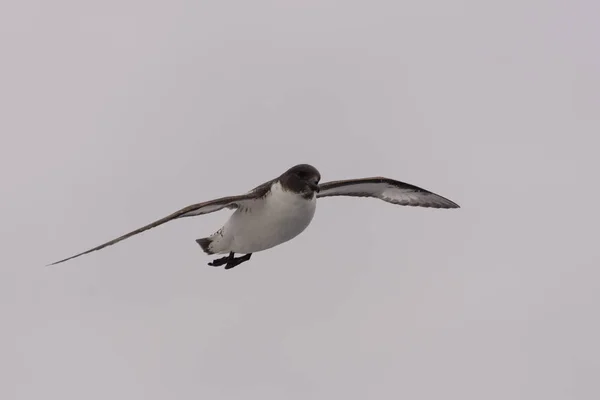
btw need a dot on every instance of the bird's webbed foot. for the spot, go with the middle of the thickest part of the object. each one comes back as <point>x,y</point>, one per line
<point>230,261</point>
<point>221,261</point>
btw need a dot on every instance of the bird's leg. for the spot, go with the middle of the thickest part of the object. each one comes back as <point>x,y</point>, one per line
<point>237,261</point>
<point>222,261</point>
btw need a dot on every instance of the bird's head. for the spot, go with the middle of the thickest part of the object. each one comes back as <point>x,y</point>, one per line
<point>302,178</point>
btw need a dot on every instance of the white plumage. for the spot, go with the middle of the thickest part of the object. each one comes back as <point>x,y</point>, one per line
<point>264,223</point>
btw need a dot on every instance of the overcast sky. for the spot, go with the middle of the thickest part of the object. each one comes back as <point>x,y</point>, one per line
<point>116,113</point>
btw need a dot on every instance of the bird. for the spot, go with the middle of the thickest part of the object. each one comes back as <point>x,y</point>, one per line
<point>280,209</point>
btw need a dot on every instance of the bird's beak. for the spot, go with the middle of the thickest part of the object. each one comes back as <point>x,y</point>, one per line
<point>314,186</point>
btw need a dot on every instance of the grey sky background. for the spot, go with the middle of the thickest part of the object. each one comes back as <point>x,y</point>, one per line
<point>115,113</point>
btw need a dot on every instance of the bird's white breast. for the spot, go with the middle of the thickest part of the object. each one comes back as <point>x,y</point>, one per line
<point>279,217</point>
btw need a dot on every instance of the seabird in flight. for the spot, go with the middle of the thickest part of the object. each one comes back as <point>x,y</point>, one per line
<point>280,209</point>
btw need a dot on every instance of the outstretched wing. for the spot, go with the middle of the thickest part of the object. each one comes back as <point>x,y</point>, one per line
<point>385,189</point>
<point>189,211</point>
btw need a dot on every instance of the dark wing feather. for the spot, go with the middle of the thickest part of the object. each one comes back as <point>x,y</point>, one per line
<point>385,189</point>
<point>189,211</point>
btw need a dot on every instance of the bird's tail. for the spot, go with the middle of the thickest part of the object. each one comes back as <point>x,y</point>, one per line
<point>205,244</point>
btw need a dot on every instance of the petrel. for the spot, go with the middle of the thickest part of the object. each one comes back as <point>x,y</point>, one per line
<point>280,209</point>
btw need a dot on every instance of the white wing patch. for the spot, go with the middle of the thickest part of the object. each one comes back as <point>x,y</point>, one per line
<point>388,190</point>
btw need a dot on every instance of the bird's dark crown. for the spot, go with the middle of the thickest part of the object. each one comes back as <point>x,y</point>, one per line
<point>303,171</point>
